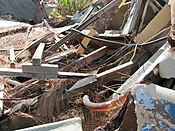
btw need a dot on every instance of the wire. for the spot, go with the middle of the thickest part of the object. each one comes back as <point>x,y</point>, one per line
<point>99,39</point>
<point>116,53</point>
<point>135,49</point>
<point>114,43</point>
<point>153,41</point>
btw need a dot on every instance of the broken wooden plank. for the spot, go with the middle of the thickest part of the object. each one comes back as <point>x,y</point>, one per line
<point>86,59</point>
<point>37,57</point>
<point>20,73</point>
<point>99,79</point>
<point>86,23</point>
<point>1,97</point>
<point>12,58</point>
<point>85,41</point>
<point>60,56</point>
<point>36,43</point>
<point>44,68</point>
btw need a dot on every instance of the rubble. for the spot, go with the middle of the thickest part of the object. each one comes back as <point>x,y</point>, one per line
<point>111,65</point>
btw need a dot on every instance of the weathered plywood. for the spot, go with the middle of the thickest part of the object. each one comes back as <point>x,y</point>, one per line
<point>113,73</point>
<point>160,21</point>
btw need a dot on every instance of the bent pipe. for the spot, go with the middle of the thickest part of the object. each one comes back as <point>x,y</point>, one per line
<point>105,106</point>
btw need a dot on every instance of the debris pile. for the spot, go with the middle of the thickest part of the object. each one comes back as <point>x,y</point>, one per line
<point>111,65</point>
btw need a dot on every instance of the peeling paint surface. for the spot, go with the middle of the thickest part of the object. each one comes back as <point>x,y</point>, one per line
<point>170,109</point>
<point>154,110</point>
<point>144,99</point>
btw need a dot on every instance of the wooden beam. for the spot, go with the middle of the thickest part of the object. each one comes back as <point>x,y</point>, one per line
<point>86,41</point>
<point>44,68</point>
<point>37,57</point>
<point>85,24</point>
<point>86,59</point>
<point>12,58</point>
<point>20,73</point>
<point>1,96</point>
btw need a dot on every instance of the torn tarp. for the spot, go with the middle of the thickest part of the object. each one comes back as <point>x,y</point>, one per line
<point>22,10</point>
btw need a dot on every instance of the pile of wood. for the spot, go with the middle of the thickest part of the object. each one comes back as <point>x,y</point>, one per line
<point>51,72</point>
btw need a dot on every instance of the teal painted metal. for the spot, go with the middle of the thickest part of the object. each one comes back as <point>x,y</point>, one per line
<point>73,124</point>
